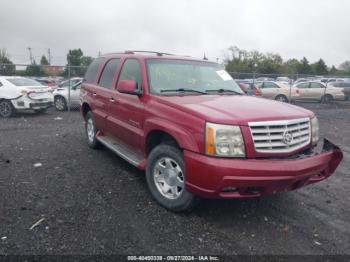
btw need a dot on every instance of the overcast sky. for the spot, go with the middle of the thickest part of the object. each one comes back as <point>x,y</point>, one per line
<point>310,28</point>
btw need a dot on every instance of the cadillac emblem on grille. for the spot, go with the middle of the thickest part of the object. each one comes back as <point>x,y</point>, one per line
<point>287,137</point>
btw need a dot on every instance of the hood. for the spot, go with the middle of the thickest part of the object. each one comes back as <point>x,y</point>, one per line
<point>234,109</point>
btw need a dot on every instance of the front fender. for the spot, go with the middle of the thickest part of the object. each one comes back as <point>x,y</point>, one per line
<point>184,138</point>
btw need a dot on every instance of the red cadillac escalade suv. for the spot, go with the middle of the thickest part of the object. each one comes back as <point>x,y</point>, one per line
<point>187,124</point>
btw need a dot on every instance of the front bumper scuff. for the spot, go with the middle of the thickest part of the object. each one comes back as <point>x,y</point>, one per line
<point>212,177</point>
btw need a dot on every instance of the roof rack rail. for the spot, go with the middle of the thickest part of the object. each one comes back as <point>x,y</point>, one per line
<point>151,52</point>
<point>114,53</point>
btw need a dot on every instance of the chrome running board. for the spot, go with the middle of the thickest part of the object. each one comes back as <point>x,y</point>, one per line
<point>121,150</point>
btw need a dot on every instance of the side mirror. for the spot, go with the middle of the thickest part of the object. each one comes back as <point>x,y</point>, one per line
<point>128,87</point>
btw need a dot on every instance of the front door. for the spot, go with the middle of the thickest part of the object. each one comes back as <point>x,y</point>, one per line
<point>126,110</point>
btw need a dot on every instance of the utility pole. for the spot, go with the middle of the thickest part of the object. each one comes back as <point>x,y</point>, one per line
<point>49,56</point>
<point>30,55</point>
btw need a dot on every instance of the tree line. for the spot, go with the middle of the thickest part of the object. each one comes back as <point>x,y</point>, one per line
<point>75,59</point>
<point>235,60</point>
<point>243,61</point>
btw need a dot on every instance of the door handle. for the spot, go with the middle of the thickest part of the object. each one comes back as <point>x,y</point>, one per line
<point>94,94</point>
<point>113,100</point>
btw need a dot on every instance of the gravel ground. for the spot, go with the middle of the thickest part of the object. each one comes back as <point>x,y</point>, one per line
<point>93,202</point>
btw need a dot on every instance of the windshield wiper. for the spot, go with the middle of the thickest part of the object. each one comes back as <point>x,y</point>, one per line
<point>221,90</point>
<point>182,90</point>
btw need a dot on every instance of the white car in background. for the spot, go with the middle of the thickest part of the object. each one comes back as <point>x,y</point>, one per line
<point>62,95</point>
<point>20,94</point>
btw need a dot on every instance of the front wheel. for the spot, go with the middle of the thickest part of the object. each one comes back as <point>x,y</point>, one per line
<point>60,103</point>
<point>6,109</point>
<point>165,175</point>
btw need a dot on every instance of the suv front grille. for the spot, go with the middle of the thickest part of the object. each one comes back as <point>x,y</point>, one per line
<point>280,136</point>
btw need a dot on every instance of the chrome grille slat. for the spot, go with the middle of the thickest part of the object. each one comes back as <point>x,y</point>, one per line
<point>268,136</point>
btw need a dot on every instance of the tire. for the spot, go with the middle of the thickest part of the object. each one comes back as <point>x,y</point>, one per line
<point>60,103</point>
<point>90,130</point>
<point>165,175</point>
<point>281,98</point>
<point>327,99</point>
<point>6,109</point>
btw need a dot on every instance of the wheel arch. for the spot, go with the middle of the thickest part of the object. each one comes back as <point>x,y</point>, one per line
<point>85,108</point>
<point>158,131</point>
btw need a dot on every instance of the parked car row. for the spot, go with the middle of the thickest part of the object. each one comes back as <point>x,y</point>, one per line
<point>22,94</point>
<point>309,90</point>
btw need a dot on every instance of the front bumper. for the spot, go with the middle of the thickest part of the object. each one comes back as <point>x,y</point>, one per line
<point>212,177</point>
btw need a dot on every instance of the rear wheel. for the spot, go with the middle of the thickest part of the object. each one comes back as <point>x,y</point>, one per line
<point>327,99</point>
<point>165,174</point>
<point>6,108</point>
<point>281,98</point>
<point>60,103</point>
<point>91,131</point>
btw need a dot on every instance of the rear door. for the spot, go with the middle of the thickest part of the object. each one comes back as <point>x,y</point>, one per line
<point>303,91</point>
<point>126,111</point>
<point>96,96</point>
<point>316,91</point>
<point>269,90</point>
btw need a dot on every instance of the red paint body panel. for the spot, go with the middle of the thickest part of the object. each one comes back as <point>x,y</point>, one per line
<point>132,118</point>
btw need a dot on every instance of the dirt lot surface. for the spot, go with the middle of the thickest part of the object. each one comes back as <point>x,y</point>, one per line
<point>57,196</point>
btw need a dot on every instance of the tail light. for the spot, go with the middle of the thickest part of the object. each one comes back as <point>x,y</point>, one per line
<point>297,91</point>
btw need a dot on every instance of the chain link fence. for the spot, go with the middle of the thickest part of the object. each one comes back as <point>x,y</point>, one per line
<point>64,81</point>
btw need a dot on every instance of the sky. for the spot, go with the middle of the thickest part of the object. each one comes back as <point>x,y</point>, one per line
<point>292,28</point>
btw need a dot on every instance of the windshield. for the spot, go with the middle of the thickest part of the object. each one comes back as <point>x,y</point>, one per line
<point>23,82</point>
<point>167,75</point>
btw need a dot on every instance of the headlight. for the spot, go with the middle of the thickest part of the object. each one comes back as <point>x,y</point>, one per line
<point>314,130</point>
<point>224,140</point>
<point>24,92</point>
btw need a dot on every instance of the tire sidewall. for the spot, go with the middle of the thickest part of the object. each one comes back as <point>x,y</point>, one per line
<point>186,199</point>
<point>12,109</point>
<point>285,99</point>
<point>64,102</point>
<point>94,143</point>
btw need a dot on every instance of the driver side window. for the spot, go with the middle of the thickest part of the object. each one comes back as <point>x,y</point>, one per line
<point>131,71</point>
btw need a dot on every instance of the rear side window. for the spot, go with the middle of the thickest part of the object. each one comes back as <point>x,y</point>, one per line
<point>91,72</point>
<point>303,85</point>
<point>316,85</point>
<point>108,73</point>
<point>131,71</point>
<point>270,85</point>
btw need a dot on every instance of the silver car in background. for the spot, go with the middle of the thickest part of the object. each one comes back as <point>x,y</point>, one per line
<point>63,96</point>
<point>317,91</point>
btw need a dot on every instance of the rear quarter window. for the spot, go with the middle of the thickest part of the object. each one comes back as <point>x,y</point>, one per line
<point>92,70</point>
